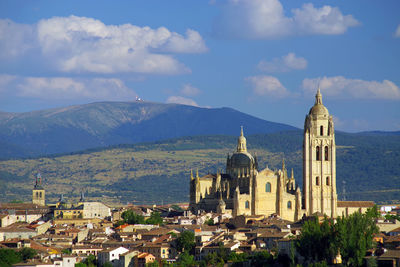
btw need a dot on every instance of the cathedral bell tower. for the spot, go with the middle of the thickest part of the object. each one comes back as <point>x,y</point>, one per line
<point>319,161</point>
<point>38,193</point>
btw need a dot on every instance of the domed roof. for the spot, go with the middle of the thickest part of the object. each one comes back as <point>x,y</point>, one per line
<point>318,108</point>
<point>242,159</point>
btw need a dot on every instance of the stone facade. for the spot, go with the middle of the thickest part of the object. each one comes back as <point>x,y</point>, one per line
<point>319,161</point>
<point>243,190</point>
<point>246,190</point>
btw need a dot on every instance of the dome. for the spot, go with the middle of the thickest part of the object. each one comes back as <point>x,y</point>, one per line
<point>319,109</point>
<point>242,159</point>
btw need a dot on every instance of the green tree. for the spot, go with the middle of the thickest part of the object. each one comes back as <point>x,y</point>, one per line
<point>355,236</point>
<point>185,242</point>
<point>80,264</point>
<point>131,217</point>
<point>153,264</point>
<point>107,264</point>
<point>317,242</point>
<point>9,257</point>
<point>262,258</point>
<point>66,251</point>
<point>90,261</point>
<point>27,253</point>
<point>237,257</point>
<point>209,222</point>
<point>185,259</point>
<point>155,218</point>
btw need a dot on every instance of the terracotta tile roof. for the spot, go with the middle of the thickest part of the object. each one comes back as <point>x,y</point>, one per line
<point>355,204</point>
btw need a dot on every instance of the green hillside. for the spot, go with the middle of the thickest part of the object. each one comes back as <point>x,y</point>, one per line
<point>159,172</point>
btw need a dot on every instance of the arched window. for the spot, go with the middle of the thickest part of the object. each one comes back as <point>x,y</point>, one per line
<point>289,205</point>
<point>317,153</point>
<point>321,130</point>
<point>327,180</point>
<point>247,205</point>
<point>37,194</point>
<point>326,153</point>
<point>317,180</point>
<point>268,187</point>
<point>40,194</point>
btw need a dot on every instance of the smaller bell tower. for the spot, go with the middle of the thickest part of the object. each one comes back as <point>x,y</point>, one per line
<point>38,192</point>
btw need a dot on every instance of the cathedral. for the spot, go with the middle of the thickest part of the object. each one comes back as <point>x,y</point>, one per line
<point>244,189</point>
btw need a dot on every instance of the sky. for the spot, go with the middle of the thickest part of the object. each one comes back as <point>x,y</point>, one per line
<point>262,57</point>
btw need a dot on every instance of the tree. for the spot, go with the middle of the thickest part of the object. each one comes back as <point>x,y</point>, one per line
<point>155,218</point>
<point>185,259</point>
<point>209,222</point>
<point>27,253</point>
<point>9,257</point>
<point>131,217</point>
<point>237,257</point>
<point>355,236</point>
<point>185,242</point>
<point>317,242</point>
<point>262,258</point>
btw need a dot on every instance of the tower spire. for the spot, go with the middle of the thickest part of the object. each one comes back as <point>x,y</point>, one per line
<point>241,146</point>
<point>318,97</point>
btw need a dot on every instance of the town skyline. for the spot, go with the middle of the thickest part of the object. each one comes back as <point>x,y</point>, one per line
<point>264,58</point>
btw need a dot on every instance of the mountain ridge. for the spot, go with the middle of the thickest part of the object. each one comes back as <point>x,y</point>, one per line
<point>78,127</point>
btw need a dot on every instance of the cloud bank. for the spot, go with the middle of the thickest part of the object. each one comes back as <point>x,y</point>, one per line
<point>182,100</point>
<point>284,64</point>
<point>266,19</point>
<point>80,44</point>
<point>62,88</point>
<point>342,87</point>
<point>270,86</point>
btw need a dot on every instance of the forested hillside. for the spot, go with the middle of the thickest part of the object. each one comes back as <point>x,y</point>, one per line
<point>159,172</point>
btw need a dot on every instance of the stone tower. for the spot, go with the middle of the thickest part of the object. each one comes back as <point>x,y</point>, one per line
<point>319,161</point>
<point>38,192</point>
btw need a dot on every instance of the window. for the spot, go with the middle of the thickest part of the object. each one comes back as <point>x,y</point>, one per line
<point>289,205</point>
<point>268,187</point>
<point>327,180</point>
<point>317,153</point>
<point>326,153</point>
<point>317,180</point>
<point>37,194</point>
<point>247,205</point>
<point>321,130</point>
<point>40,194</point>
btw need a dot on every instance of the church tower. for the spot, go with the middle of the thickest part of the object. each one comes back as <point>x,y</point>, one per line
<point>319,161</point>
<point>38,193</point>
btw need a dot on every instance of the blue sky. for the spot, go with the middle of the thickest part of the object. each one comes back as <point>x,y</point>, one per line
<point>262,57</point>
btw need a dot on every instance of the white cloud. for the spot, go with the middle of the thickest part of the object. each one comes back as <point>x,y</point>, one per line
<point>267,86</point>
<point>265,19</point>
<point>61,88</point>
<point>397,33</point>
<point>80,44</point>
<point>189,90</point>
<point>284,64</point>
<point>15,39</point>
<point>5,81</point>
<point>342,87</point>
<point>182,100</point>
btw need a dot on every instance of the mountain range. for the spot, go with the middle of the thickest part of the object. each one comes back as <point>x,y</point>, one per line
<point>101,124</point>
